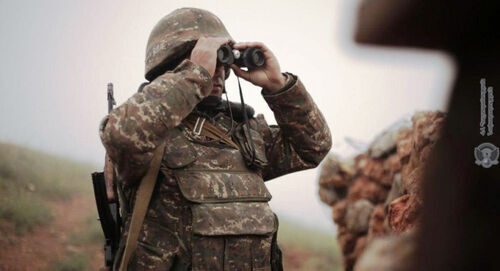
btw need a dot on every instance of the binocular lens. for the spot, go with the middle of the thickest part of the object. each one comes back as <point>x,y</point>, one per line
<point>251,57</point>
<point>225,55</point>
<point>256,58</point>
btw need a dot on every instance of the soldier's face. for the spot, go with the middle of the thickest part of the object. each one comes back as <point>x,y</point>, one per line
<point>218,81</point>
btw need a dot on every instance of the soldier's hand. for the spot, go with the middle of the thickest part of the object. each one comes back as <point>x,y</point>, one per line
<point>269,76</point>
<point>204,53</point>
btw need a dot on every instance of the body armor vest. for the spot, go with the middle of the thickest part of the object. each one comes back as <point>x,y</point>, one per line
<point>221,186</point>
<point>227,224</point>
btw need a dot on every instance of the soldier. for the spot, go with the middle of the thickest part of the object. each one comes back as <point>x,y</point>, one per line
<point>209,209</point>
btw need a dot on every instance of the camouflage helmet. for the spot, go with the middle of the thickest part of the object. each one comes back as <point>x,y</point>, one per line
<point>175,35</point>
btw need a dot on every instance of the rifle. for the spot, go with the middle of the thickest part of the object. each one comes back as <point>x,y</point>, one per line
<point>108,206</point>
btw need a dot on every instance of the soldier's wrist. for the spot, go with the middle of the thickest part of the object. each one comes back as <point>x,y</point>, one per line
<point>290,80</point>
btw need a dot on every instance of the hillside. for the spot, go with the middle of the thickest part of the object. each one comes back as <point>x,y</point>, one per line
<point>47,216</point>
<point>48,219</point>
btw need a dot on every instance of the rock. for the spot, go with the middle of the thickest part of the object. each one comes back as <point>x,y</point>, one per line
<point>383,144</point>
<point>350,259</point>
<point>379,191</point>
<point>388,253</point>
<point>411,184</point>
<point>395,192</point>
<point>386,141</point>
<point>377,225</point>
<point>358,216</point>
<point>426,128</point>
<point>334,181</point>
<point>346,239</point>
<point>360,246</point>
<point>404,150</point>
<point>339,210</point>
<point>330,196</point>
<point>335,174</point>
<point>425,153</point>
<point>364,188</point>
<point>391,165</point>
<point>371,168</point>
<point>404,213</point>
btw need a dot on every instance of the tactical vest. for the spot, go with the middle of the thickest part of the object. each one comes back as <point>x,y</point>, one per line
<point>232,224</point>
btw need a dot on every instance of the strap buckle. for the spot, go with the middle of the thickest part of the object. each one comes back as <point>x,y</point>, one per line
<point>197,129</point>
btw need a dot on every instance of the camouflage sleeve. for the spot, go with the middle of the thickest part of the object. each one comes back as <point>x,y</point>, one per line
<point>132,131</point>
<point>301,139</point>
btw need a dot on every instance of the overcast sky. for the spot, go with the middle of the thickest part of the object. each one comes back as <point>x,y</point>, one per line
<point>58,56</point>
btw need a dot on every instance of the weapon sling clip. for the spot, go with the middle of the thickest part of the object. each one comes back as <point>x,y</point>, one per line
<point>197,130</point>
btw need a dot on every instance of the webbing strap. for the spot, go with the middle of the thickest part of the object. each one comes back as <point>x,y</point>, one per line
<point>142,199</point>
<point>211,131</point>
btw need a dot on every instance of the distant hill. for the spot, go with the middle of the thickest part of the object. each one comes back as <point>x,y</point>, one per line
<point>28,178</point>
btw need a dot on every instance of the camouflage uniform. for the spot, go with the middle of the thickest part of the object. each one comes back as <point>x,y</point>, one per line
<point>209,210</point>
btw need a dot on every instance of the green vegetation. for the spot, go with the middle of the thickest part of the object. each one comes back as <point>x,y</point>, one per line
<point>30,178</point>
<point>291,233</point>
<point>75,261</point>
<point>50,176</point>
<point>318,251</point>
<point>24,210</point>
<point>91,234</point>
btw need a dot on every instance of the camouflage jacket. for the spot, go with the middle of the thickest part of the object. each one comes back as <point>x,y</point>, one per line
<point>178,229</point>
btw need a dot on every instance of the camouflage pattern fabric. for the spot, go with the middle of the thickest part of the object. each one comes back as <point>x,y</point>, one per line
<point>133,130</point>
<point>176,34</point>
<point>209,210</point>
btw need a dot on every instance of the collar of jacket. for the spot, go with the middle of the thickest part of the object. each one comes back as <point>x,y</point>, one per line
<point>213,105</point>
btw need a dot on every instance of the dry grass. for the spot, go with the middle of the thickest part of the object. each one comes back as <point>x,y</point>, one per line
<point>29,178</point>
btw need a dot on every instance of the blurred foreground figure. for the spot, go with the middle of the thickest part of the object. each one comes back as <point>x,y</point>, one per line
<point>208,158</point>
<point>460,217</point>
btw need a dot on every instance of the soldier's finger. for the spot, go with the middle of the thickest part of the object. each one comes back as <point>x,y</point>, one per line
<point>255,44</point>
<point>240,73</point>
<point>217,42</point>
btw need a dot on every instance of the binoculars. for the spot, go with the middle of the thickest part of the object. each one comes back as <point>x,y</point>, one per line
<point>251,58</point>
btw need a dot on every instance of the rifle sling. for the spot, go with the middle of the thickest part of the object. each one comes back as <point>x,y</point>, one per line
<point>142,199</point>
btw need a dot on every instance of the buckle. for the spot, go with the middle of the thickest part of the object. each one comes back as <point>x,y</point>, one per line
<point>196,129</point>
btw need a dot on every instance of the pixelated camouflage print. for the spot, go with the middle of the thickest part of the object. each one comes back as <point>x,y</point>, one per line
<point>302,138</point>
<point>216,156</point>
<point>215,186</point>
<point>176,33</point>
<point>132,131</point>
<point>234,218</point>
<point>179,152</point>
<point>235,253</point>
<point>166,233</point>
<point>156,249</point>
<point>208,253</point>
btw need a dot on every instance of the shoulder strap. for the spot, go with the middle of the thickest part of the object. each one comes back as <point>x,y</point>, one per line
<point>209,130</point>
<point>142,199</point>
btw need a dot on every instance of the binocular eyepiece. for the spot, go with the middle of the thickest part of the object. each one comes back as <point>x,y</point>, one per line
<point>251,58</point>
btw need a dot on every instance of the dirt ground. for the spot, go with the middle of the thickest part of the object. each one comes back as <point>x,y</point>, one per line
<point>46,245</point>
